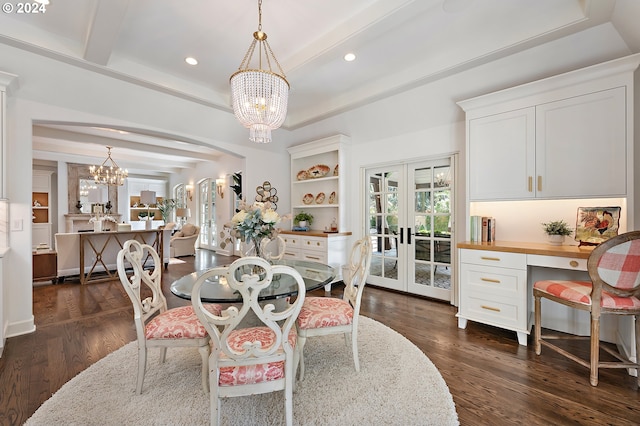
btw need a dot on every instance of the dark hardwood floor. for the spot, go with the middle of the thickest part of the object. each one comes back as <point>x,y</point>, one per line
<point>493,380</point>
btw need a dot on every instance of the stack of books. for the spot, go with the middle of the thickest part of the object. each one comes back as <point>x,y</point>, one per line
<point>483,229</point>
<point>300,228</point>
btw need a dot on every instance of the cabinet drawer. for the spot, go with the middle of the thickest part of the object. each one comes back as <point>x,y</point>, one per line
<point>497,313</point>
<point>557,262</point>
<point>503,283</point>
<point>494,258</point>
<point>317,244</point>
<point>292,241</point>
<point>291,253</point>
<point>314,256</point>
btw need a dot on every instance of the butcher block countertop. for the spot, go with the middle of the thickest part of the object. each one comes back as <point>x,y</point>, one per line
<point>530,248</point>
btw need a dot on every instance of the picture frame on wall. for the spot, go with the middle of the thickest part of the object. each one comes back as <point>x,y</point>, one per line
<point>595,225</point>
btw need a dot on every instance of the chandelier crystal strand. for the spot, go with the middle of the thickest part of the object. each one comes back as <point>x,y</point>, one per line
<point>108,174</point>
<point>259,96</point>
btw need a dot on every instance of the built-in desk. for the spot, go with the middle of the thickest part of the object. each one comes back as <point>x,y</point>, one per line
<point>496,282</point>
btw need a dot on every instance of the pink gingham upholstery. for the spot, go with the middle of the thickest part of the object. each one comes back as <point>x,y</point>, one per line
<point>580,292</point>
<point>619,267</point>
<point>249,374</point>
<point>319,312</point>
<point>178,323</point>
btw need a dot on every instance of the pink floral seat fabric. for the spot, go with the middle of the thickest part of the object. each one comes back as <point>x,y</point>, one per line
<point>178,323</point>
<point>257,373</point>
<point>580,292</point>
<point>319,312</point>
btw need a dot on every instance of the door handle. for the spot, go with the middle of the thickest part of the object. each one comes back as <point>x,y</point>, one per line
<point>408,235</point>
<point>401,235</point>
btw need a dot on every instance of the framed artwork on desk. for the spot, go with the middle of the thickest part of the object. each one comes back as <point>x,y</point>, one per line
<point>595,225</point>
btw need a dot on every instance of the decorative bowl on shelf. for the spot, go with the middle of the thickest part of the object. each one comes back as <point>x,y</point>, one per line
<point>335,170</point>
<point>320,198</point>
<point>318,171</point>
<point>302,175</point>
<point>308,198</point>
<point>332,197</point>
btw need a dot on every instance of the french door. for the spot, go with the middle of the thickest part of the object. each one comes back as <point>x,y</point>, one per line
<point>409,214</point>
<point>207,213</point>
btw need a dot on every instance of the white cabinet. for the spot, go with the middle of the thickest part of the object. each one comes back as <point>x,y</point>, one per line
<point>330,249</point>
<point>531,152</point>
<point>591,128</point>
<point>319,194</point>
<point>493,290</point>
<point>502,155</point>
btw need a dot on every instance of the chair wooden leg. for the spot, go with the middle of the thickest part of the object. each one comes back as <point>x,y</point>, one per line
<point>637,318</point>
<point>288,393</point>
<point>354,349</point>
<point>595,350</point>
<point>301,341</point>
<point>142,366</point>
<point>537,326</point>
<point>204,353</point>
<point>214,400</point>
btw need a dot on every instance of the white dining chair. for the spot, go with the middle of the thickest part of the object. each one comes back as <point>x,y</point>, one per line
<point>156,325</point>
<point>255,359</point>
<point>321,316</point>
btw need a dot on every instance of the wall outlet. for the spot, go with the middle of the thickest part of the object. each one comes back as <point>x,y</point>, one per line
<point>16,224</point>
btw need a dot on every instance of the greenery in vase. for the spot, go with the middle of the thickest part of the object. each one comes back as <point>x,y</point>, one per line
<point>253,222</point>
<point>303,217</point>
<point>166,207</point>
<point>557,227</point>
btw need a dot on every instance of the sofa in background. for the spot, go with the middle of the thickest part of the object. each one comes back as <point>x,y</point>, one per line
<point>183,242</point>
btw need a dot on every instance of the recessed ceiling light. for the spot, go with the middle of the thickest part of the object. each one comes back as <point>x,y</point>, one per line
<point>191,61</point>
<point>350,57</point>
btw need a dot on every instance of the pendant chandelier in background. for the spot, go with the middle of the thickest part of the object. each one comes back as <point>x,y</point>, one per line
<point>108,173</point>
<point>259,96</point>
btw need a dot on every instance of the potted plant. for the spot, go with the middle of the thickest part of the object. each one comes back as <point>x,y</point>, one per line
<point>556,231</point>
<point>166,206</point>
<point>303,219</point>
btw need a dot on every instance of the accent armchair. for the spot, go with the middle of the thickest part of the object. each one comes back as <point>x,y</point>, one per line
<point>183,242</point>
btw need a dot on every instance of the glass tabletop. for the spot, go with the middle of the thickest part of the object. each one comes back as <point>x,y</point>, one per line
<point>315,275</point>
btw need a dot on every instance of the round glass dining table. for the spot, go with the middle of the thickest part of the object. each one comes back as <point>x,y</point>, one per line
<point>315,275</point>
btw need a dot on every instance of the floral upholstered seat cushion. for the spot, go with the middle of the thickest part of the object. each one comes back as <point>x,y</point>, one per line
<point>319,312</point>
<point>257,373</point>
<point>179,323</point>
<point>580,292</point>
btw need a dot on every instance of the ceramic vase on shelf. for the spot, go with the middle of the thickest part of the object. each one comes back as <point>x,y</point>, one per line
<point>302,224</point>
<point>97,226</point>
<point>555,240</point>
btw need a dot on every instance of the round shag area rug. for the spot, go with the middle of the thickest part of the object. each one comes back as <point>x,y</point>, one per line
<point>397,384</point>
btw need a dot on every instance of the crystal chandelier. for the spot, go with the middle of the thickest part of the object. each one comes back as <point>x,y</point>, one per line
<point>259,96</point>
<point>108,174</point>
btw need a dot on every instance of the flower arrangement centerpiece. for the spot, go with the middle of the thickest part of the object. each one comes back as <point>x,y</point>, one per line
<point>166,206</point>
<point>256,221</point>
<point>98,221</point>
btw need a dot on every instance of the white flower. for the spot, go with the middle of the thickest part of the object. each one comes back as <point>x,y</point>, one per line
<point>239,217</point>
<point>270,216</point>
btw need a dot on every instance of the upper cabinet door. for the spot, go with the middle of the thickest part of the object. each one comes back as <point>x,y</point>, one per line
<point>581,146</point>
<point>501,154</point>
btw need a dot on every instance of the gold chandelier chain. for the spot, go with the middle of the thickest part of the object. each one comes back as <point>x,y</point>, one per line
<point>259,15</point>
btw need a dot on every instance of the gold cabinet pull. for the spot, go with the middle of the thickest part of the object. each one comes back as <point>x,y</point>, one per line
<point>490,280</point>
<point>574,264</point>
<point>490,308</point>
<point>539,183</point>
<point>530,184</point>
<point>495,259</point>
